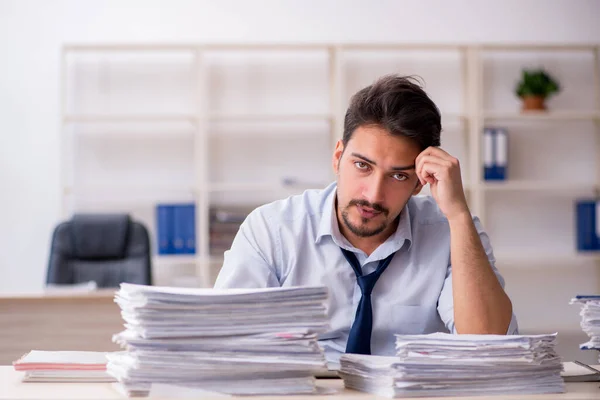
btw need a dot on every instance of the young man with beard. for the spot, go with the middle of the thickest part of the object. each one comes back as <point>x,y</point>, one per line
<point>393,262</point>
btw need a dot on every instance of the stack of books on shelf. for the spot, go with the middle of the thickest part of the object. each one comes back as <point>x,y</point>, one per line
<point>64,366</point>
<point>442,364</point>
<point>590,320</point>
<point>224,225</point>
<point>233,341</point>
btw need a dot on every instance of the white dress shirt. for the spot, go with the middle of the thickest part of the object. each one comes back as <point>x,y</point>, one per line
<point>296,242</point>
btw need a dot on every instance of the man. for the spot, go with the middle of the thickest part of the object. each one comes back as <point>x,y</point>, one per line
<point>394,263</point>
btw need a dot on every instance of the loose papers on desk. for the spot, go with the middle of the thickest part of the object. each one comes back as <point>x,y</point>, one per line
<point>441,364</point>
<point>234,341</point>
<point>64,366</point>
<point>590,320</point>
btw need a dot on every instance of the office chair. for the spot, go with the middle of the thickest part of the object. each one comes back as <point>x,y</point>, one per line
<point>105,248</point>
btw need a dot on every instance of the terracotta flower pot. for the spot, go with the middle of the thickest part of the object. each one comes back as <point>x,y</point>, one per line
<point>533,103</point>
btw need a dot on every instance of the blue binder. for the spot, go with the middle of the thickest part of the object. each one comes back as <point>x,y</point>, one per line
<point>587,223</point>
<point>164,229</point>
<point>184,232</point>
<point>189,229</point>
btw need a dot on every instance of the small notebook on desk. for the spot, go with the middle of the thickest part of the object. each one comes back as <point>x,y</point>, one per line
<point>63,366</point>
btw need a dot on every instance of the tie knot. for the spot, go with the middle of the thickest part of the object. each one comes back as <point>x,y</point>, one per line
<point>367,283</point>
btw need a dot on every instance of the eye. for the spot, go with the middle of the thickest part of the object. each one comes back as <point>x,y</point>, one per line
<point>361,165</point>
<point>400,177</point>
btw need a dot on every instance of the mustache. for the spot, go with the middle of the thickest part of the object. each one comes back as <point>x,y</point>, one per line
<point>374,206</point>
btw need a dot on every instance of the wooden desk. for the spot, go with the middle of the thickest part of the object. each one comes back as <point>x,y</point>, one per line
<point>11,387</point>
<point>58,321</point>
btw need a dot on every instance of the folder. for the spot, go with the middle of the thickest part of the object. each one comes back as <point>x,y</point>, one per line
<point>64,366</point>
<point>488,154</point>
<point>500,153</point>
<point>178,229</point>
<point>495,154</point>
<point>587,225</point>
<point>164,229</point>
<point>186,220</point>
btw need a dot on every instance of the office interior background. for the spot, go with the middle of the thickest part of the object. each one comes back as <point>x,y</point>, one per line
<point>125,106</point>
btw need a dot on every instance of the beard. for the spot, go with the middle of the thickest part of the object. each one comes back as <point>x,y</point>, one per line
<point>362,230</point>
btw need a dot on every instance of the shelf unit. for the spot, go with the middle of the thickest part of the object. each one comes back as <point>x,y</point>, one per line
<point>340,70</point>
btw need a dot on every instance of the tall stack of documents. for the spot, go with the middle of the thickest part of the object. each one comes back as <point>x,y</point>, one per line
<point>441,364</point>
<point>235,341</point>
<point>590,320</point>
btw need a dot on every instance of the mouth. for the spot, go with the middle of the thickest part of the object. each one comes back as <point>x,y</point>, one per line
<point>367,212</point>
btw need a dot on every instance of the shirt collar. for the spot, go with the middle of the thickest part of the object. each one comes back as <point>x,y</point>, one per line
<point>328,225</point>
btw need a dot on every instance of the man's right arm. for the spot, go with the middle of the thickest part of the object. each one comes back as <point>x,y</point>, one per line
<point>250,263</point>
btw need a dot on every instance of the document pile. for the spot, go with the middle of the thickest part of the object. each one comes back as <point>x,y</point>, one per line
<point>234,341</point>
<point>441,364</point>
<point>590,320</point>
<point>64,366</point>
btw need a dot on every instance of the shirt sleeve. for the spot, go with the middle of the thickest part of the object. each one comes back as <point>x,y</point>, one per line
<point>446,302</point>
<point>250,262</point>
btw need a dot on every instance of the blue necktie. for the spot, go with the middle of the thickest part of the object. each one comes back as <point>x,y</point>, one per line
<point>359,339</point>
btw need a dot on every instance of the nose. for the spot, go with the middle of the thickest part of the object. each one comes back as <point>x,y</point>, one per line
<point>374,189</point>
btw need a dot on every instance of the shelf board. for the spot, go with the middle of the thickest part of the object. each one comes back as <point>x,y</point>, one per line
<point>90,118</point>
<point>219,117</point>
<point>571,47</point>
<point>212,260</point>
<point>130,47</point>
<point>261,186</point>
<point>539,259</point>
<point>177,259</point>
<point>122,191</point>
<point>543,115</point>
<point>536,186</point>
<point>174,259</point>
<point>194,119</point>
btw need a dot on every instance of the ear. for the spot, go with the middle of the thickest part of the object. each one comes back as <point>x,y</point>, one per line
<point>337,156</point>
<point>418,188</point>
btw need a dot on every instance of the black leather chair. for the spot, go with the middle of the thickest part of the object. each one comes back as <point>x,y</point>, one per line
<point>105,248</point>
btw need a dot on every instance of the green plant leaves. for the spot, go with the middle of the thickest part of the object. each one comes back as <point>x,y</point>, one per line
<point>536,83</point>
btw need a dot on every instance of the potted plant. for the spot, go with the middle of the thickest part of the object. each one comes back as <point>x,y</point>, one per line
<point>535,86</point>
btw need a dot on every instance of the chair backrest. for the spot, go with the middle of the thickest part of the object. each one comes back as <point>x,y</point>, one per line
<point>106,248</point>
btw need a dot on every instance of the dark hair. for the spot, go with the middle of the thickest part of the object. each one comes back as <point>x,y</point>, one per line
<point>399,105</point>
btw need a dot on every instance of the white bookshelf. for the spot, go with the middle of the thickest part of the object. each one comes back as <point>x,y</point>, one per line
<point>209,103</point>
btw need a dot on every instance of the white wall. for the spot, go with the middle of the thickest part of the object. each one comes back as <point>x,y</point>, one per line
<point>32,32</point>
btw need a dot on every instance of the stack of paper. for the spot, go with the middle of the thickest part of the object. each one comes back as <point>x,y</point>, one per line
<point>441,364</point>
<point>590,320</point>
<point>235,341</point>
<point>64,366</point>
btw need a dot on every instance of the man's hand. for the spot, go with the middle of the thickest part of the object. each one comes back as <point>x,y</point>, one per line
<point>442,172</point>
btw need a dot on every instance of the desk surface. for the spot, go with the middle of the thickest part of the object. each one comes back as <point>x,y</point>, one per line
<point>11,387</point>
